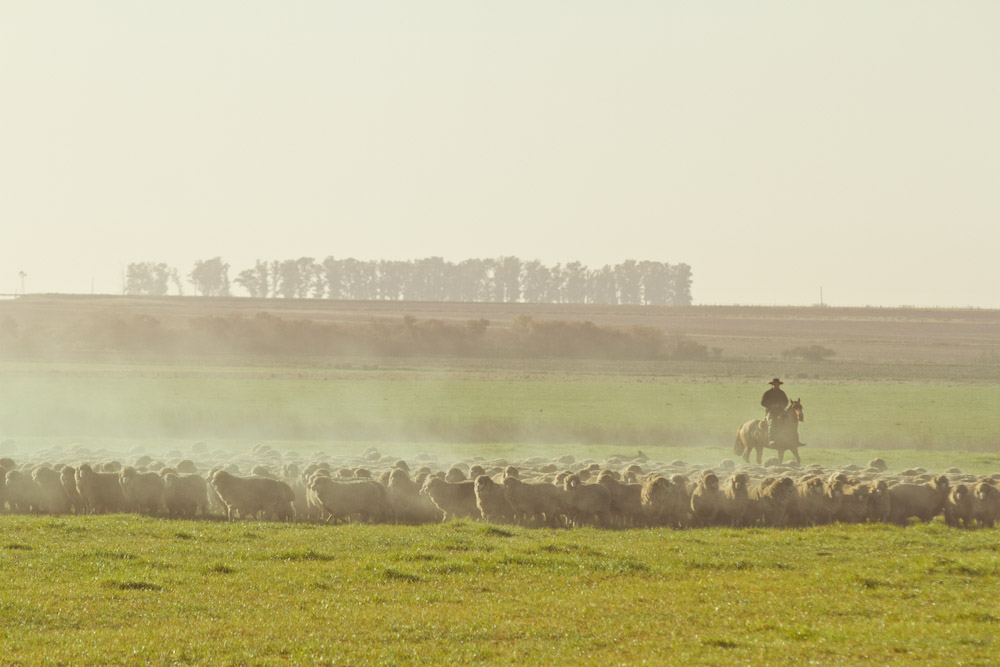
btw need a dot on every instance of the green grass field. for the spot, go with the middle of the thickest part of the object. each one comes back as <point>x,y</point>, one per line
<point>131,590</point>
<point>573,406</point>
<point>128,590</point>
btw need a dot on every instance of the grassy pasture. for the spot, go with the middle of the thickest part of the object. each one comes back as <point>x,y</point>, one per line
<point>128,590</point>
<point>916,387</point>
<point>574,406</point>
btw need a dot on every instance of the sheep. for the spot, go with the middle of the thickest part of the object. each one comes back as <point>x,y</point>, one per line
<point>341,500</point>
<point>631,474</point>
<point>23,493</point>
<point>419,478</point>
<point>185,494</point>
<point>706,500</point>
<point>770,500</point>
<point>735,498</point>
<point>656,498</point>
<point>817,501</point>
<point>679,514</point>
<point>214,501</point>
<point>289,475</point>
<point>262,471</point>
<point>854,503</point>
<point>67,476</point>
<point>101,491</point>
<point>878,464</point>
<point>543,502</point>
<point>879,502</point>
<point>454,499</point>
<point>407,503</point>
<point>454,476</point>
<point>586,503</point>
<point>3,490</point>
<point>959,507</point>
<point>314,506</point>
<point>491,500</point>
<point>986,503</point>
<point>252,496</point>
<point>54,496</point>
<point>626,499</point>
<point>143,491</point>
<point>924,501</point>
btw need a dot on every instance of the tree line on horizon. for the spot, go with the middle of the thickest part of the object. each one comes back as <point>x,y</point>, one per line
<point>500,280</point>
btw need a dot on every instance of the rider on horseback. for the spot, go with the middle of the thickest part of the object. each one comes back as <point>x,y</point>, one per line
<point>775,402</point>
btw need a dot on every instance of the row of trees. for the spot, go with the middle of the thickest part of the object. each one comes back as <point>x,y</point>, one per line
<point>500,280</point>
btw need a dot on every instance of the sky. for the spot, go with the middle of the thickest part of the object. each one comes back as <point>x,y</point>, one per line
<point>778,148</point>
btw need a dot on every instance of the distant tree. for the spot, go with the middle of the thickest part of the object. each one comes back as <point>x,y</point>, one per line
<point>471,280</point>
<point>685,349</point>
<point>306,277</point>
<point>317,280</point>
<point>288,280</point>
<point>536,281</point>
<point>628,281</point>
<point>553,290</point>
<point>391,277</point>
<point>604,288</point>
<point>210,277</point>
<point>427,279</point>
<point>656,280</point>
<point>507,280</point>
<point>359,279</point>
<point>333,278</point>
<point>175,279</point>
<point>681,285</point>
<point>148,278</point>
<point>255,280</point>
<point>575,283</point>
<point>274,271</point>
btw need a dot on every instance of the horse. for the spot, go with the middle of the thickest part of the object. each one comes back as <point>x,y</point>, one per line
<point>753,434</point>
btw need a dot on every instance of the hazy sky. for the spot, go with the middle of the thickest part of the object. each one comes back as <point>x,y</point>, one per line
<point>776,147</point>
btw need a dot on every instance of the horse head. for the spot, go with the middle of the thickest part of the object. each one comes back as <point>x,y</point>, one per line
<point>795,408</point>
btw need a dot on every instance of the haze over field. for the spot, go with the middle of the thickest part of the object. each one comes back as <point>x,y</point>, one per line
<point>776,147</point>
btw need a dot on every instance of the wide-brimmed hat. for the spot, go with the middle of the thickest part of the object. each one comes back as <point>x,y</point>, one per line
<point>776,381</point>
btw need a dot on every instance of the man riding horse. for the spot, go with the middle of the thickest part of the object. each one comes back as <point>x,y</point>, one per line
<point>775,404</point>
<point>778,430</point>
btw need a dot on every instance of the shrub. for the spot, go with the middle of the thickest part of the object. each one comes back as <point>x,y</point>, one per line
<point>809,353</point>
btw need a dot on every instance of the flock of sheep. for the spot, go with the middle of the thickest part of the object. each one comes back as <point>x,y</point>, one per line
<point>563,492</point>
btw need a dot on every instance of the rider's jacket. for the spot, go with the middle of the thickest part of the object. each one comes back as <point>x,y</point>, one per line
<point>774,399</point>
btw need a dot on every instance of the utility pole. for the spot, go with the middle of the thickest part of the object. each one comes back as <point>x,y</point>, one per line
<point>821,296</point>
<point>22,275</point>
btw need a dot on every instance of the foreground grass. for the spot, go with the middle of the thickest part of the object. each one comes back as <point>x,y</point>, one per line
<point>121,589</point>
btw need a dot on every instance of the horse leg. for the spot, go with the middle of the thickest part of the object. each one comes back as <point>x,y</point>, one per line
<point>760,453</point>
<point>781,455</point>
<point>796,452</point>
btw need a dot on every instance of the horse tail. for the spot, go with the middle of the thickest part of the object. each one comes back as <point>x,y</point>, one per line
<point>738,447</point>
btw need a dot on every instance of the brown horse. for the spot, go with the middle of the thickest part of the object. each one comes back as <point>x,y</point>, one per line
<point>753,435</point>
